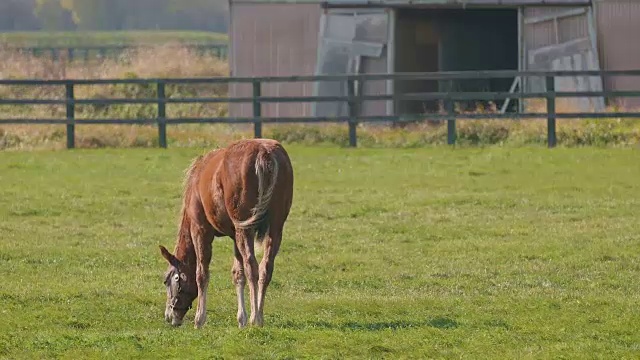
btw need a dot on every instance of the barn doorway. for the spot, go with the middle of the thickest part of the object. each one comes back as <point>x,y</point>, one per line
<point>365,40</point>
<point>429,40</point>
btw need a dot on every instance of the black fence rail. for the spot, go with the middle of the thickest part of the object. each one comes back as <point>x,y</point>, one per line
<point>86,53</point>
<point>353,99</point>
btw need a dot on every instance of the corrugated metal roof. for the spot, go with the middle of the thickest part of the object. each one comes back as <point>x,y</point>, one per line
<point>461,3</point>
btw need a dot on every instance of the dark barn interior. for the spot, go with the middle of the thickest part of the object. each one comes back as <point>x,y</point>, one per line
<point>454,40</point>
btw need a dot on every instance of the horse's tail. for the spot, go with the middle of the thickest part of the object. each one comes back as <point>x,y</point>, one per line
<point>266,167</point>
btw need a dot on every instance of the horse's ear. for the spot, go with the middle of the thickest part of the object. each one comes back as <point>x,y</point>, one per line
<point>167,255</point>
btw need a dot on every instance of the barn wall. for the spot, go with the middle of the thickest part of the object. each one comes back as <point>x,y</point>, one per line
<point>544,34</point>
<point>274,40</point>
<point>617,23</point>
<point>282,39</point>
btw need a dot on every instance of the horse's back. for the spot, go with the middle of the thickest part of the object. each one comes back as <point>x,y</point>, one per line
<point>241,157</point>
<point>248,149</point>
<point>237,177</point>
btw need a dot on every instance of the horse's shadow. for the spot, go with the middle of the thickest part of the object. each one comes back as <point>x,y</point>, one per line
<point>442,323</point>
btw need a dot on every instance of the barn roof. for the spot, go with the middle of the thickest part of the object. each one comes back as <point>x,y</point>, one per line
<point>456,3</point>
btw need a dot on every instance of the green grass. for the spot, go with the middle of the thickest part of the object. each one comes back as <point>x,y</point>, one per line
<point>105,38</point>
<point>406,253</point>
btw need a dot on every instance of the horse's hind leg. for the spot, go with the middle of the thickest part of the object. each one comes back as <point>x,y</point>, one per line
<point>244,242</point>
<point>202,240</point>
<point>239,280</point>
<point>271,245</point>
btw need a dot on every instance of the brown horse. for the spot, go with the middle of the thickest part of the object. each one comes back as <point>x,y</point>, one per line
<point>243,191</point>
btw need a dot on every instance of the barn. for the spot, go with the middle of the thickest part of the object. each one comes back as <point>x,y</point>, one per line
<point>309,37</point>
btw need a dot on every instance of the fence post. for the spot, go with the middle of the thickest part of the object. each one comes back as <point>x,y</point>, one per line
<point>162,115</point>
<point>449,107</point>
<point>551,111</point>
<point>71,116</point>
<point>353,113</point>
<point>257,109</point>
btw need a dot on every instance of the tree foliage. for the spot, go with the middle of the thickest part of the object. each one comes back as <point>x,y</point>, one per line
<point>55,15</point>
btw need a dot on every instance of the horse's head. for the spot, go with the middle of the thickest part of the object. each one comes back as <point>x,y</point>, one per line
<point>181,290</point>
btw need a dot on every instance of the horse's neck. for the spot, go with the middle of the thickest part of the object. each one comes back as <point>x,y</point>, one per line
<point>185,252</point>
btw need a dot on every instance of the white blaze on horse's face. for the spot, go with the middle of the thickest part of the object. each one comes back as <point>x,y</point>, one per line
<point>178,301</point>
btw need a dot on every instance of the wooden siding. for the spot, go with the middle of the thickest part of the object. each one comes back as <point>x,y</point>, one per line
<point>282,39</point>
<point>618,25</point>
<point>273,40</point>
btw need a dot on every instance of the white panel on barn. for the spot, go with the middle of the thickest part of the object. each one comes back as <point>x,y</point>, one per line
<point>562,38</point>
<point>349,40</point>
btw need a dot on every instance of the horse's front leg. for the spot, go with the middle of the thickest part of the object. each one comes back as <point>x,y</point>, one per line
<point>202,241</point>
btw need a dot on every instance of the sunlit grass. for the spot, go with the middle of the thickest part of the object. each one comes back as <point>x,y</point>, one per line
<point>404,253</point>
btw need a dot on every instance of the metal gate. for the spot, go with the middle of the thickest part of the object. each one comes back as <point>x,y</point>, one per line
<point>350,42</point>
<point>562,38</point>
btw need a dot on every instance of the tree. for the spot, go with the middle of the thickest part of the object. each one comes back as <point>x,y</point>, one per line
<point>97,14</point>
<point>53,16</point>
<point>113,14</point>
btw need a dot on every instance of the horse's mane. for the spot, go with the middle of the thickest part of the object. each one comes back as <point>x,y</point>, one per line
<point>189,171</point>
<point>184,232</point>
<point>193,167</point>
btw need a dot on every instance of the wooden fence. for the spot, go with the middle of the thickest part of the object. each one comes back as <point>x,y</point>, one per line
<point>352,99</point>
<point>86,53</point>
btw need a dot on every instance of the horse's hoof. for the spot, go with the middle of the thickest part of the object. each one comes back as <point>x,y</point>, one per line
<point>257,321</point>
<point>242,320</point>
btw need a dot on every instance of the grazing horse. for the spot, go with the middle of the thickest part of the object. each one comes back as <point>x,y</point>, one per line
<point>243,191</point>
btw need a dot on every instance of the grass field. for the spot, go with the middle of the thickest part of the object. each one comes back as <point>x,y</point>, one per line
<point>413,253</point>
<point>105,38</point>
